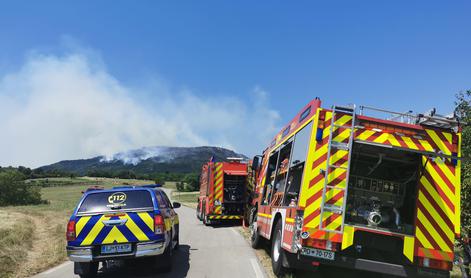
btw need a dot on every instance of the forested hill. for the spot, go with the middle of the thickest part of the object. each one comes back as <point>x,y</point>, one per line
<point>144,161</point>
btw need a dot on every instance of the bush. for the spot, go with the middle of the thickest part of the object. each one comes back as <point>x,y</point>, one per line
<point>180,186</point>
<point>15,191</point>
<point>463,111</point>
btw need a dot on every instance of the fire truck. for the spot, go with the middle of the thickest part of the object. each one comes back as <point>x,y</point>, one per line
<point>344,188</point>
<point>223,191</point>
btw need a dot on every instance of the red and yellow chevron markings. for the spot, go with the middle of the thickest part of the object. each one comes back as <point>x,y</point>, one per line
<point>436,209</point>
<point>312,191</point>
<point>218,188</point>
<point>225,217</point>
<point>431,141</point>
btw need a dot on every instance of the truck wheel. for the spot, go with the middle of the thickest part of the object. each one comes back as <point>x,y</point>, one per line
<point>255,238</point>
<point>277,252</point>
<point>198,212</point>
<point>206,220</point>
<point>86,270</point>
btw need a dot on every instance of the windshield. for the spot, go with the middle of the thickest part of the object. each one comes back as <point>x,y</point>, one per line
<point>106,201</point>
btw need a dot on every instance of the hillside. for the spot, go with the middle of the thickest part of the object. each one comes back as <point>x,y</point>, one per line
<point>146,160</point>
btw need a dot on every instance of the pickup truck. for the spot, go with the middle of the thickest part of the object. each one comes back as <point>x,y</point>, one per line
<point>122,223</point>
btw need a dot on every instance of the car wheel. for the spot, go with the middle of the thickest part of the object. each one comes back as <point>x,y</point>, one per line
<point>165,260</point>
<point>86,270</point>
<point>277,252</point>
<point>255,238</point>
<point>177,244</point>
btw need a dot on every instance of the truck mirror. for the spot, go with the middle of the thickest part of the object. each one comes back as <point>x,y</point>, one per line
<point>256,162</point>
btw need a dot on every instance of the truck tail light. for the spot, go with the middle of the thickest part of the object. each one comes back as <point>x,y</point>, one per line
<point>159,224</point>
<point>70,234</point>
<point>322,244</point>
<point>436,264</point>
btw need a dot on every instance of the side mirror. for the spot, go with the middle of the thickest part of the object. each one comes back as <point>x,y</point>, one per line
<point>176,205</point>
<point>257,160</point>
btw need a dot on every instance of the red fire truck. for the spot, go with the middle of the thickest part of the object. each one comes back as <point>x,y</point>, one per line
<point>223,191</point>
<point>337,187</point>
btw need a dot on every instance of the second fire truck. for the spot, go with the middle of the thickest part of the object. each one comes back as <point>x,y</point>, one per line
<point>223,191</point>
<point>337,187</point>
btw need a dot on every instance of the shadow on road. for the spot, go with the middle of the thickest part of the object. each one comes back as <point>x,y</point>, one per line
<point>226,224</point>
<point>145,268</point>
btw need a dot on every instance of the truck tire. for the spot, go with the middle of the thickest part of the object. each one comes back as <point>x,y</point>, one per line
<point>198,212</point>
<point>206,220</point>
<point>86,270</point>
<point>255,238</point>
<point>277,252</point>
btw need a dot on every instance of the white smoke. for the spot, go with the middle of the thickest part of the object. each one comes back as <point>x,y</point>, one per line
<point>69,107</point>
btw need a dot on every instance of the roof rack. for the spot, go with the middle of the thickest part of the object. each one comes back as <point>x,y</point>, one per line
<point>430,118</point>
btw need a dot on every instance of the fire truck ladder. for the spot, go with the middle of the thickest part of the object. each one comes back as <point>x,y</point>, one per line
<point>337,110</point>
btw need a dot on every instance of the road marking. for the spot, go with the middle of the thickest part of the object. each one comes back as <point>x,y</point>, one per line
<point>235,232</point>
<point>47,272</point>
<point>256,268</point>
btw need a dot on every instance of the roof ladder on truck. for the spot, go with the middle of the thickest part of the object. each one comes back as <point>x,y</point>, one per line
<point>331,148</point>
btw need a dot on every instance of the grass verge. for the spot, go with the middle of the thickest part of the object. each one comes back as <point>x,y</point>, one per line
<point>189,199</point>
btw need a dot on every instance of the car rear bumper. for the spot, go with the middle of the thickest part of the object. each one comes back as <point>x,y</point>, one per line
<point>88,254</point>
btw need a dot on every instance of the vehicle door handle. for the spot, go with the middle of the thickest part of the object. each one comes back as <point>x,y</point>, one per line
<point>115,222</point>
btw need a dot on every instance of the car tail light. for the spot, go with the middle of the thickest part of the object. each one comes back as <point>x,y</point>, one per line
<point>436,264</point>
<point>159,224</point>
<point>70,234</point>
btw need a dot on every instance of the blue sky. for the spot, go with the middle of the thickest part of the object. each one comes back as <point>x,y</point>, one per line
<point>398,55</point>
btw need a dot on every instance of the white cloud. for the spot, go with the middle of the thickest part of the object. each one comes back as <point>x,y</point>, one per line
<point>70,107</point>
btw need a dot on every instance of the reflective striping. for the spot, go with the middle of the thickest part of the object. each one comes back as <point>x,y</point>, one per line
<point>81,224</point>
<point>436,210</point>
<point>225,217</point>
<point>408,249</point>
<point>218,186</point>
<point>135,227</point>
<point>147,219</point>
<point>114,236</point>
<point>94,232</point>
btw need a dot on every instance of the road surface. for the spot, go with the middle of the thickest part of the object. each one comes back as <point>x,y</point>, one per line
<point>204,252</point>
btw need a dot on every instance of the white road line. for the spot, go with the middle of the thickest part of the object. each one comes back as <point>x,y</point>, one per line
<point>47,272</point>
<point>256,268</point>
<point>236,232</point>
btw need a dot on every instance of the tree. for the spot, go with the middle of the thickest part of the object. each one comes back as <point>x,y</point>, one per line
<point>192,182</point>
<point>463,111</point>
<point>15,191</point>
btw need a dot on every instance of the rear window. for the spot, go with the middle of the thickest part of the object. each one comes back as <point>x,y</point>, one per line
<point>106,201</point>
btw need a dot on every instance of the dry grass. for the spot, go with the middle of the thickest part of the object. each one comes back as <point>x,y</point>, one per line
<point>35,235</point>
<point>189,199</point>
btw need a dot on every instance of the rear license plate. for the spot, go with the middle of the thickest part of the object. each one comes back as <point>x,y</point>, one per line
<point>116,248</point>
<point>318,253</point>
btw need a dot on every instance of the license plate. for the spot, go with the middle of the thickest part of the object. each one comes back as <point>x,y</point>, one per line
<point>318,253</point>
<point>116,248</point>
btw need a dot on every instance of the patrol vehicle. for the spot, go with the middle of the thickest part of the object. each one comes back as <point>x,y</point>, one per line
<point>122,223</point>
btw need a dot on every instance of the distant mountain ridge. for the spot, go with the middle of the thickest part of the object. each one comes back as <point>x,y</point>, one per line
<point>147,160</point>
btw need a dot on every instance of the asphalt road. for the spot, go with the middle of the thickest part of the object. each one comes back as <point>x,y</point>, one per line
<point>204,252</point>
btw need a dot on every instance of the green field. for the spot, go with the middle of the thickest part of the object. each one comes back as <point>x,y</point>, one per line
<point>32,238</point>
